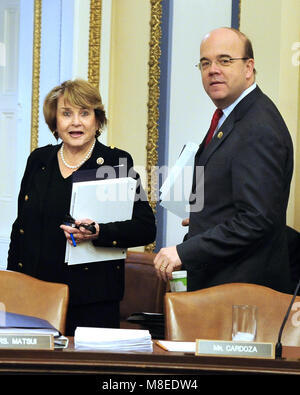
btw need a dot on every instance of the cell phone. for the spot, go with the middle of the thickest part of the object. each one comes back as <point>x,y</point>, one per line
<point>70,221</point>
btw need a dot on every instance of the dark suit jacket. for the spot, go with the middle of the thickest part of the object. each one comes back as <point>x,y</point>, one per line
<point>88,282</point>
<point>239,235</point>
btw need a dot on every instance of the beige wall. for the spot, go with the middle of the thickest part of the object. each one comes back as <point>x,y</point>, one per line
<point>273,26</point>
<point>128,92</point>
<point>297,170</point>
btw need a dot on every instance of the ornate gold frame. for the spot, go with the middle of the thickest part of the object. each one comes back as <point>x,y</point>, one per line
<point>93,63</point>
<point>95,42</point>
<point>94,78</point>
<point>154,76</point>
<point>153,105</point>
<point>37,23</point>
<point>153,91</point>
<point>153,98</point>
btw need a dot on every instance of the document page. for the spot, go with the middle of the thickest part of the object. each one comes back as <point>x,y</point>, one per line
<point>103,201</point>
<point>177,346</point>
<point>176,189</point>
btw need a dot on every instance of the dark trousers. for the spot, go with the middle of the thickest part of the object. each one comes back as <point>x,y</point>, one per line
<point>100,314</point>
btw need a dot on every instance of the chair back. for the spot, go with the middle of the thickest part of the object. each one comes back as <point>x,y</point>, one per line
<point>207,313</point>
<point>144,291</point>
<point>23,294</point>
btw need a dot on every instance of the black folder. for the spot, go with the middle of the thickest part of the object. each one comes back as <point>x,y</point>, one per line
<point>154,322</point>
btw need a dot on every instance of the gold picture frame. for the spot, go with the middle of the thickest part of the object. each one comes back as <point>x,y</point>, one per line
<point>95,42</point>
<point>153,106</point>
<point>94,76</point>
<point>35,100</point>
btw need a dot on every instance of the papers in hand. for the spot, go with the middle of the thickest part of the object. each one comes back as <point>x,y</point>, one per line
<point>102,201</point>
<point>175,191</point>
<point>118,340</point>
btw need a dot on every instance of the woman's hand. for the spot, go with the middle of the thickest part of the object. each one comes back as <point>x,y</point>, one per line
<point>80,233</point>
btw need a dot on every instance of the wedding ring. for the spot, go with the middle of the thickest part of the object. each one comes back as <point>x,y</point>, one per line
<point>162,268</point>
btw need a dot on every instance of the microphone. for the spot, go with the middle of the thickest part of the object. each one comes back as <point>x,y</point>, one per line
<point>278,348</point>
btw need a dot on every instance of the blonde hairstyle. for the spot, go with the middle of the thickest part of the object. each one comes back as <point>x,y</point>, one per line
<point>78,93</point>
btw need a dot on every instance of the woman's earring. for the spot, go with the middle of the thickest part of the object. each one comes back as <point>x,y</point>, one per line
<point>98,133</point>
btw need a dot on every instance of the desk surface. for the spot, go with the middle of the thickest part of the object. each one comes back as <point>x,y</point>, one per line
<point>71,361</point>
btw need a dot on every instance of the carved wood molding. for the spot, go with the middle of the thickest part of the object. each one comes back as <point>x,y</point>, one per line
<point>37,23</point>
<point>95,42</point>
<point>153,105</point>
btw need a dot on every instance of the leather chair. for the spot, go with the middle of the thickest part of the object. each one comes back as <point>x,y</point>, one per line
<point>144,291</point>
<point>23,294</point>
<point>207,313</point>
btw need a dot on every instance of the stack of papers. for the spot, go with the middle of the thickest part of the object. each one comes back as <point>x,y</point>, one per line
<point>117,340</point>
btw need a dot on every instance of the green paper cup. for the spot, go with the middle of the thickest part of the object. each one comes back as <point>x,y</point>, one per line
<point>178,282</point>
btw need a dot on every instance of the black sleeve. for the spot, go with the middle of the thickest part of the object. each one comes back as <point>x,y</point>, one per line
<point>138,231</point>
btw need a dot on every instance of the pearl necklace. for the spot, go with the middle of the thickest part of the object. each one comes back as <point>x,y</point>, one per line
<point>79,164</point>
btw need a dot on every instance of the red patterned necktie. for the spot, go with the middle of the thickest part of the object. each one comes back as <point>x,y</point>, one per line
<point>214,123</point>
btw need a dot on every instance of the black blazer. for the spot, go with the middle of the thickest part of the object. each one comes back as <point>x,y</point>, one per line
<point>87,282</point>
<point>239,235</point>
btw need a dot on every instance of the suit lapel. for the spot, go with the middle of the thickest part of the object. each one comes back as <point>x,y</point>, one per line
<point>219,138</point>
<point>227,127</point>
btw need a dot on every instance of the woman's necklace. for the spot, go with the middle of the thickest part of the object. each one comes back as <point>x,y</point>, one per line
<point>79,164</point>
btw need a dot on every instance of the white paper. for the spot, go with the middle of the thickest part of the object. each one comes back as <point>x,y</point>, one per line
<point>2,54</point>
<point>102,201</point>
<point>243,336</point>
<point>30,331</point>
<point>175,191</point>
<point>111,339</point>
<point>178,346</point>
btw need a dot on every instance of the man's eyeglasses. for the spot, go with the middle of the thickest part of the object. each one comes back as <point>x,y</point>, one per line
<point>223,61</point>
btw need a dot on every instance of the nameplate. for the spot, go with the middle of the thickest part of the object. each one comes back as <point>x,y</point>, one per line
<point>235,349</point>
<point>26,341</point>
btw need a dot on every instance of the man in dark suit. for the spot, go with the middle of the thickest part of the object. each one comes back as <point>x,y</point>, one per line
<point>240,234</point>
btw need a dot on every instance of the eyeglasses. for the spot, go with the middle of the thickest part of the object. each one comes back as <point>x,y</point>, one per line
<point>223,61</point>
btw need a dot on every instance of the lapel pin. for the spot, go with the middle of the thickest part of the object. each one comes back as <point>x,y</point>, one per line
<point>100,161</point>
<point>220,135</point>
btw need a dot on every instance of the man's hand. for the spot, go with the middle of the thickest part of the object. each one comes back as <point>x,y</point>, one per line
<point>166,261</point>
